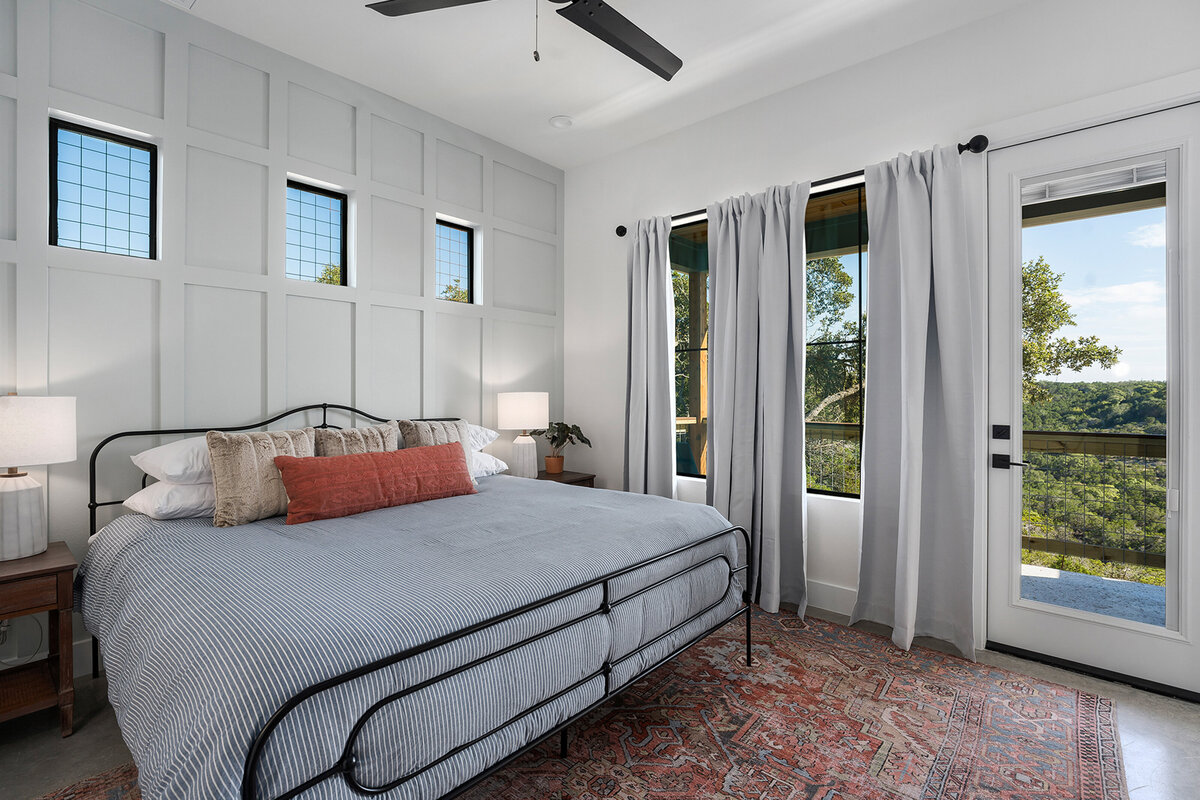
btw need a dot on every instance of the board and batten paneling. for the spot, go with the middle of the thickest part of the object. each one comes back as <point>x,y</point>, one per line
<point>398,155</point>
<point>319,334</point>
<point>103,349</point>
<point>320,128</point>
<point>226,212</point>
<point>213,331</point>
<point>458,380</point>
<point>106,57</point>
<point>8,37</point>
<point>227,97</point>
<point>397,246</point>
<point>459,176</point>
<point>525,199</point>
<point>8,328</point>
<point>224,355</point>
<point>526,277</point>
<point>396,360</point>
<point>8,168</point>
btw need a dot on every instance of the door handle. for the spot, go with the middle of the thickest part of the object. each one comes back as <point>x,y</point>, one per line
<point>1003,461</point>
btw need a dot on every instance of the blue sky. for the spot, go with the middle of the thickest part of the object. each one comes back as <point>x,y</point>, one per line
<point>1115,281</point>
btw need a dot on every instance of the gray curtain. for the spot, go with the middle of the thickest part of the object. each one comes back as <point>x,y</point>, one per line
<point>756,472</point>
<point>650,389</point>
<point>916,566</point>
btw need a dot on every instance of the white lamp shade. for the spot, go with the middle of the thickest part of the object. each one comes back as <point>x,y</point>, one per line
<point>522,411</point>
<point>36,430</point>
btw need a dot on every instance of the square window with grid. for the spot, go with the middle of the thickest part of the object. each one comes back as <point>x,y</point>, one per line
<point>453,276</point>
<point>102,191</point>
<point>316,234</point>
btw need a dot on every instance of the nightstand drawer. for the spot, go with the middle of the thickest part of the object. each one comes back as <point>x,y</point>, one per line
<point>17,597</point>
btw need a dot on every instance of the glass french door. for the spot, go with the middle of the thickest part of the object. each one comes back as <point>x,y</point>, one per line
<point>1094,397</point>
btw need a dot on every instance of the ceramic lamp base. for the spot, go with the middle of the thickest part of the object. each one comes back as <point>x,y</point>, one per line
<point>523,463</point>
<point>22,518</point>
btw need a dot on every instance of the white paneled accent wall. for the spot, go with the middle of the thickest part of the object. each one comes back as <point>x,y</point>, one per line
<point>213,332</point>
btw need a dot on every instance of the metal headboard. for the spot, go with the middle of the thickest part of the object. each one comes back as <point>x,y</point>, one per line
<point>324,408</point>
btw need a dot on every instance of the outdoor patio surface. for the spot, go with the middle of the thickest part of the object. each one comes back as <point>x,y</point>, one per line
<point>1138,602</point>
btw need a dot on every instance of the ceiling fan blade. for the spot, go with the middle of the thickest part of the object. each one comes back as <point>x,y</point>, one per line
<point>599,19</point>
<point>398,8</point>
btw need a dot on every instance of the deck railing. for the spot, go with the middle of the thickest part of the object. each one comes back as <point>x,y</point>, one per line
<point>1096,495</point>
<point>833,456</point>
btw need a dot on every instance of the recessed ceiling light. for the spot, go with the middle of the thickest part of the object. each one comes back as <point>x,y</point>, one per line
<point>562,122</point>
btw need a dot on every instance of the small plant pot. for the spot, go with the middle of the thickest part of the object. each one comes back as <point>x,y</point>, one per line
<point>554,464</point>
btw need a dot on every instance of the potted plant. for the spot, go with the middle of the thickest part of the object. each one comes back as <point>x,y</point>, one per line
<point>559,435</point>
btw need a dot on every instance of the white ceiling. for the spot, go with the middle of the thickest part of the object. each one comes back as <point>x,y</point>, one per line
<point>473,65</point>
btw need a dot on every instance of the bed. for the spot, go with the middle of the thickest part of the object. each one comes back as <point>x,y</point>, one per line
<point>406,652</point>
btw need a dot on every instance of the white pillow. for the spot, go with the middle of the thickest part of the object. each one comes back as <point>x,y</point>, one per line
<point>165,500</point>
<point>479,437</point>
<point>484,464</point>
<point>184,461</point>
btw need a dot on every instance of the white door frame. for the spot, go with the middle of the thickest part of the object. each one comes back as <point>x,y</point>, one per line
<point>1175,131</point>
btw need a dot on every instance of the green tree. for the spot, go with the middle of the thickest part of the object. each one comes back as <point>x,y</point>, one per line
<point>331,274</point>
<point>1044,313</point>
<point>828,294</point>
<point>456,291</point>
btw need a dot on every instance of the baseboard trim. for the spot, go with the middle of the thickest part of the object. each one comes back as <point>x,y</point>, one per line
<point>1096,672</point>
<point>831,597</point>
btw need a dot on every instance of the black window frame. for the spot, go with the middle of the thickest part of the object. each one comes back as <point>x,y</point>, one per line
<point>345,226</point>
<point>57,125</point>
<point>861,341</point>
<point>467,229</point>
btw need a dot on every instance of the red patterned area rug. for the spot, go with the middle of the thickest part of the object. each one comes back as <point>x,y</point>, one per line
<point>116,784</point>
<point>826,713</point>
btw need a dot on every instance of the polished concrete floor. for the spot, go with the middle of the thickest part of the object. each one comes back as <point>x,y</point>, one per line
<point>1160,736</point>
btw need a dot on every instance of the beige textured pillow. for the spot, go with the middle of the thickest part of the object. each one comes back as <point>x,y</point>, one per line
<point>423,433</point>
<point>249,485</point>
<point>355,441</point>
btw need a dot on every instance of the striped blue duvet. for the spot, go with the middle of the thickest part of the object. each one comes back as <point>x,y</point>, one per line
<point>206,631</point>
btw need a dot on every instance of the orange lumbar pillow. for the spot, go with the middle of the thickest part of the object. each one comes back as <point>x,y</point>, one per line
<point>337,486</point>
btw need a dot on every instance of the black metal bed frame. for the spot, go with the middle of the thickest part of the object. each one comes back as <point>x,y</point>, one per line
<point>346,763</point>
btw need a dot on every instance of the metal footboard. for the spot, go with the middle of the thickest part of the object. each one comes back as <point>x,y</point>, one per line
<point>346,764</point>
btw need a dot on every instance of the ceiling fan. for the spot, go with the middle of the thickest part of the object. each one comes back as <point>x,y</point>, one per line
<point>594,16</point>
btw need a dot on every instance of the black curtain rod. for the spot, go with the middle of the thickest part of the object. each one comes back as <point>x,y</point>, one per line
<point>977,144</point>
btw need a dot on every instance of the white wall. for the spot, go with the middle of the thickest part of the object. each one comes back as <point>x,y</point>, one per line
<point>1012,74</point>
<point>213,332</point>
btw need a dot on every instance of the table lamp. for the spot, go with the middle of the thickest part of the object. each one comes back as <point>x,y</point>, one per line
<point>33,430</point>
<point>523,411</point>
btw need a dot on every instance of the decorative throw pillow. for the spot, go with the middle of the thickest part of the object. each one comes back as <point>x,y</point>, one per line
<point>247,480</point>
<point>354,441</point>
<point>480,437</point>
<point>183,461</point>
<point>425,433</point>
<point>166,500</point>
<point>323,488</point>
<point>485,464</point>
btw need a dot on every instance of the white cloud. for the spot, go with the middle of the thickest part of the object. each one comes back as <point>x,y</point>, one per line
<point>1148,235</point>
<point>1120,370</point>
<point>1127,295</point>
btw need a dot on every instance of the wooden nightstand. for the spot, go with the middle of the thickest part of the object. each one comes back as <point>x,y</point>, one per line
<point>573,478</point>
<point>27,586</point>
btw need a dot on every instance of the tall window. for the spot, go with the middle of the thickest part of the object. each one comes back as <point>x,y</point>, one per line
<point>835,227</point>
<point>454,261</point>
<point>102,191</point>
<point>689,276</point>
<point>316,234</point>
<point>836,238</point>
